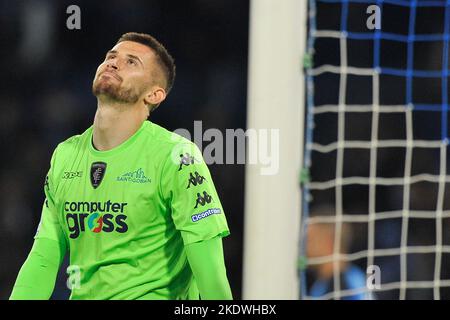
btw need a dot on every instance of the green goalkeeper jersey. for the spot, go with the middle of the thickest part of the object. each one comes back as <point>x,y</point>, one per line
<point>125,214</point>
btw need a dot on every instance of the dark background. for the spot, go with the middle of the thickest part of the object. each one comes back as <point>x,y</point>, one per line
<point>45,97</point>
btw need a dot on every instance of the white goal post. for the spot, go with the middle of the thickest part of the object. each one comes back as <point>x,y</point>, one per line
<point>275,101</point>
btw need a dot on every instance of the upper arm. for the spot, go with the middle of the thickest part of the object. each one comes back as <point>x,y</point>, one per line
<point>187,186</point>
<point>49,225</point>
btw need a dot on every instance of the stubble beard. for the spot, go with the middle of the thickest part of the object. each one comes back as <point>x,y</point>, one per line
<point>103,88</point>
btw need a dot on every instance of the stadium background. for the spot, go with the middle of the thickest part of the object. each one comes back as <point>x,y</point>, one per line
<point>45,97</point>
<point>397,78</point>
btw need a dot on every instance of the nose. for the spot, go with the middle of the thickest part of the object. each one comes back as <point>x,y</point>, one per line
<point>112,63</point>
<point>112,66</point>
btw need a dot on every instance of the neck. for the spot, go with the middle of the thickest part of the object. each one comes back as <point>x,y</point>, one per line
<point>115,123</point>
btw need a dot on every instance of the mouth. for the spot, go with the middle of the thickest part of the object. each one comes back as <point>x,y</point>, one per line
<point>111,74</point>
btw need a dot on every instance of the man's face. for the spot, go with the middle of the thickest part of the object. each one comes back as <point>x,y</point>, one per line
<point>126,74</point>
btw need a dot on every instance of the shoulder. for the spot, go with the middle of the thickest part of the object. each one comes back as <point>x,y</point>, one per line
<point>169,142</point>
<point>166,137</point>
<point>173,149</point>
<point>72,145</point>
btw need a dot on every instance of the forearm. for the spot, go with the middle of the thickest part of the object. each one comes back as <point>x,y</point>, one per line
<point>36,278</point>
<point>208,266</point>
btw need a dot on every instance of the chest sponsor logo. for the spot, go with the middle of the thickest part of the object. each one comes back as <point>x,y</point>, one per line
<point>98,170</point>
<point>137,176</point>
<point>95,217</point>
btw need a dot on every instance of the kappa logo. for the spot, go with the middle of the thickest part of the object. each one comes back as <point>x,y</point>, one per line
<point>202,200</point>
<point>98,170</point>
<point>186,160</point>
<point>46,182</point>
<point>137,176</point>
<point>47,188</point>
<point>195,179</point>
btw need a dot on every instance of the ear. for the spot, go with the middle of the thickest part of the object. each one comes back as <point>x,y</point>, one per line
<point>155,96</point>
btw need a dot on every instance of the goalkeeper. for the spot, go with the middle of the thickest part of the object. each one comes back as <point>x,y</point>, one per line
<point>133,204</point>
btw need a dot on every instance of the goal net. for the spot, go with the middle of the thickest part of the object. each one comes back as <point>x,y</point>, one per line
<point>376,202</point>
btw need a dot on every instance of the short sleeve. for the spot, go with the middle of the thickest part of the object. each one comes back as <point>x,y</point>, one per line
<point>187,185</point>
<point>49,226</point>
